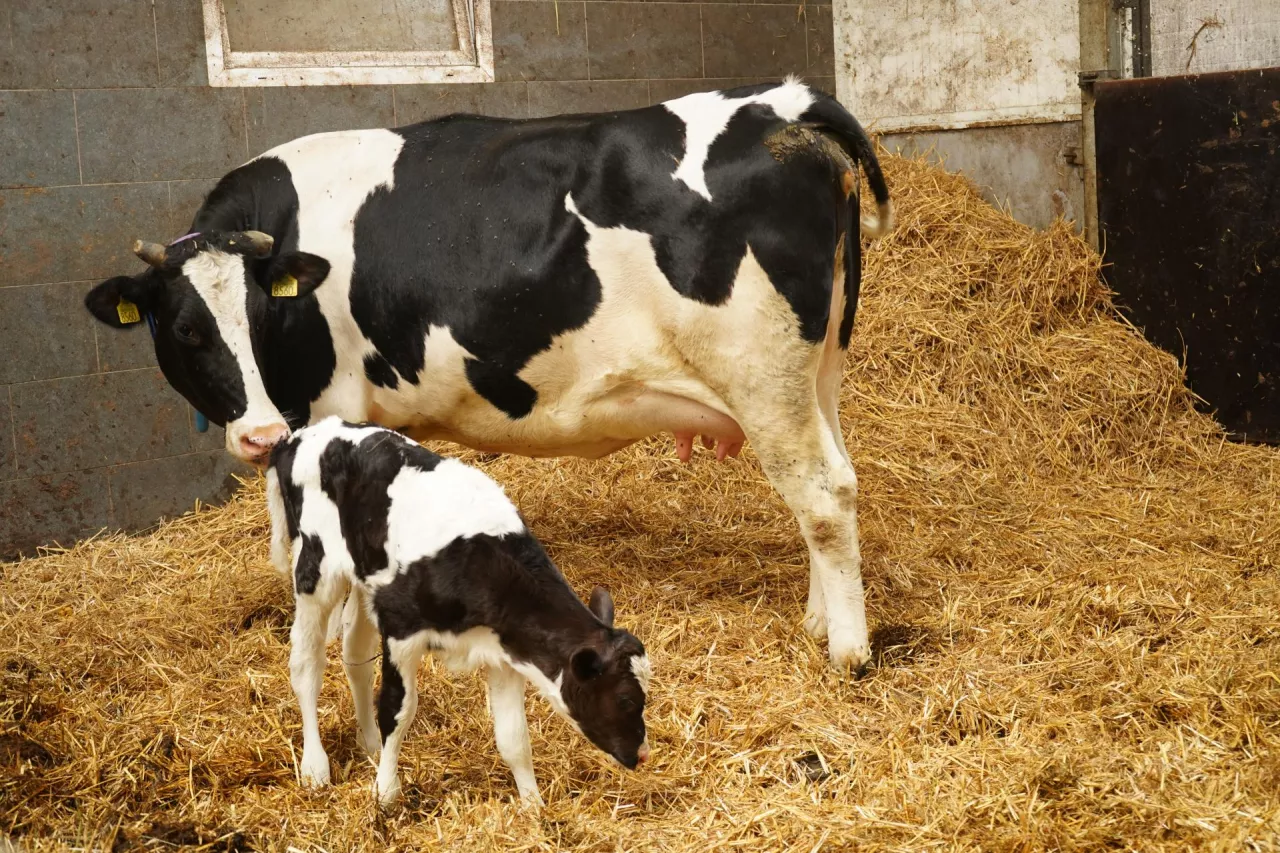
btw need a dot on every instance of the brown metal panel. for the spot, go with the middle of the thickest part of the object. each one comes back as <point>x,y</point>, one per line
<point>1189,207</point>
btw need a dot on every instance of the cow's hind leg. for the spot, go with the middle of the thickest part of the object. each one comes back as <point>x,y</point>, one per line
<point>828,389</point>
<point>806,464</point>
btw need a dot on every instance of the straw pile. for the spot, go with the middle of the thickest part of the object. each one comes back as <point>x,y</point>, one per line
<point>1071,580</point>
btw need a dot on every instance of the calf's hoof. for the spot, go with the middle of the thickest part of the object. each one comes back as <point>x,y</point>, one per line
<point>530,798</point>
<point>314,770</point>
<point>387,791</point>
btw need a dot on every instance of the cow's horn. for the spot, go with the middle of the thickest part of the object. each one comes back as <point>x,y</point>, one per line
<point>152,253</point>
<point>260,244</point>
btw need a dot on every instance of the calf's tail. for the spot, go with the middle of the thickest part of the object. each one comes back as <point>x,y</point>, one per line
<point>827,113</point>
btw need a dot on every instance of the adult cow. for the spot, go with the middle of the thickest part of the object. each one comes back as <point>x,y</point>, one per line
<point>551,287</point>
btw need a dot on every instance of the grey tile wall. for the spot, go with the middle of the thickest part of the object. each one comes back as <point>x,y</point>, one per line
<point>38,138</point>
<point>110,133</point>
<point>75,233</point>
<point>123,416</point>
<point>539,41</point>
<point>644,40</point>
<point>7,469</point>
<point>26,315</point>
<point>160,134</point>
<point>277,115</point>
<point>143,492</point>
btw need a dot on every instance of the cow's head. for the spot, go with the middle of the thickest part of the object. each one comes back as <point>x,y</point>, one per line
<point>210,296</point>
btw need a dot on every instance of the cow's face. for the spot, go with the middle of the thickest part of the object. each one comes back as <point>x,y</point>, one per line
<point>606,688</point>
<point>210,296</point>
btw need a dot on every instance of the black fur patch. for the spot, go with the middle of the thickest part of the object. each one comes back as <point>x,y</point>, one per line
<point>306,574</point>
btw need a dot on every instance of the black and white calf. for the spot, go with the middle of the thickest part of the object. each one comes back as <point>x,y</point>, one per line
<point>552,287</point>
<point>438,560</point>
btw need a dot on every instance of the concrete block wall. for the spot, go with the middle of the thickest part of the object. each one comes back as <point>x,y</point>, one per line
<point>109,133</point>
<point>1197,36</point>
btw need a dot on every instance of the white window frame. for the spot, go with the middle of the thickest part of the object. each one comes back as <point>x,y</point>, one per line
<point>471,63</point>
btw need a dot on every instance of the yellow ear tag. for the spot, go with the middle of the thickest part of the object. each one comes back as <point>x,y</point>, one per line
<point>128,312</point>
<point>287,286</point>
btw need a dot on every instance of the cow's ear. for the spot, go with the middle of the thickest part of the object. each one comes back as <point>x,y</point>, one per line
<point>297,274</point>
<point>121,301</point>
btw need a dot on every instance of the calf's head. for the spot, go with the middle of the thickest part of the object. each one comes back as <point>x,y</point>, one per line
<point>210,297</point>
<point>606,685</point>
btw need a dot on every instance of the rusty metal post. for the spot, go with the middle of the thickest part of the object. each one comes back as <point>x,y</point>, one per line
<point>1102,45</point>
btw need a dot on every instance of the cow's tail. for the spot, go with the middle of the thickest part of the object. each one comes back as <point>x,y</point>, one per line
<point>827,113</point>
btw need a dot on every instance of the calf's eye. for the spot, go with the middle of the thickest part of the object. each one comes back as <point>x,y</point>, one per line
<point>626,703</point>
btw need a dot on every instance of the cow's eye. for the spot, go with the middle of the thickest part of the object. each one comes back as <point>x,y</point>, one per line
<point>187,334</point>
<point>626,703</point>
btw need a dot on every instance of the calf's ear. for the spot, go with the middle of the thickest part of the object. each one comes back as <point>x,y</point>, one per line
<point>122,301</point>
<point>602,605</point>
<point>296,274</point>
<point>586,663</point>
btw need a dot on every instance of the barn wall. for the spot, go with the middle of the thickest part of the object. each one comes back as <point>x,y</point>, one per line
<point>1227,35</point>
<point>1029,169</point>
<point>987,87</point>
<point>108,133</point>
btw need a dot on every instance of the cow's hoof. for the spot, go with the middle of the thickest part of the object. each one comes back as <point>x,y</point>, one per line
<point>815,624</point>
<point>853,658</point>
<point>314,769</point>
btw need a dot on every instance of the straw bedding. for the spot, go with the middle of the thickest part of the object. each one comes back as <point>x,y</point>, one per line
<point>1071,579</point>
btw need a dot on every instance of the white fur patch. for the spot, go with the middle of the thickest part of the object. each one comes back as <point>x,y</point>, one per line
<point>430,509</point>
<point>480,647</point>
<point>219,279</point>
<point>707,114</point>
<point>280,545</point>
<point>642,670</point>
<point>333,174</point>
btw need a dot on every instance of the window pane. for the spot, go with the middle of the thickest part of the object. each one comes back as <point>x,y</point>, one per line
<point>341,25</point>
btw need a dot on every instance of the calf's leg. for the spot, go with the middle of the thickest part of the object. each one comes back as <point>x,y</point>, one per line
<point>397,704</point>
<point>306,670</point>
<point>359,657</point>
<point>511,729</point>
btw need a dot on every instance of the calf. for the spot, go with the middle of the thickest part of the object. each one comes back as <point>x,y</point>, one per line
<point>440,560</point>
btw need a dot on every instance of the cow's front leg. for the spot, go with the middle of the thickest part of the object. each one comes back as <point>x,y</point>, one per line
<point>815,612</point>
<point>803,462</point>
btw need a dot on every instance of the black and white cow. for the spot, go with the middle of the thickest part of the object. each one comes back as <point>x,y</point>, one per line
<point>560,286</point>
<point>441,560</point>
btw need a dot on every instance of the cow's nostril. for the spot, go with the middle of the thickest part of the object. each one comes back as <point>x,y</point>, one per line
<point>250,448</point>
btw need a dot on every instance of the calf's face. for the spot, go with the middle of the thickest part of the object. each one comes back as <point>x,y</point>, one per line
<point>606,687</point>
<point>210,296</point>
